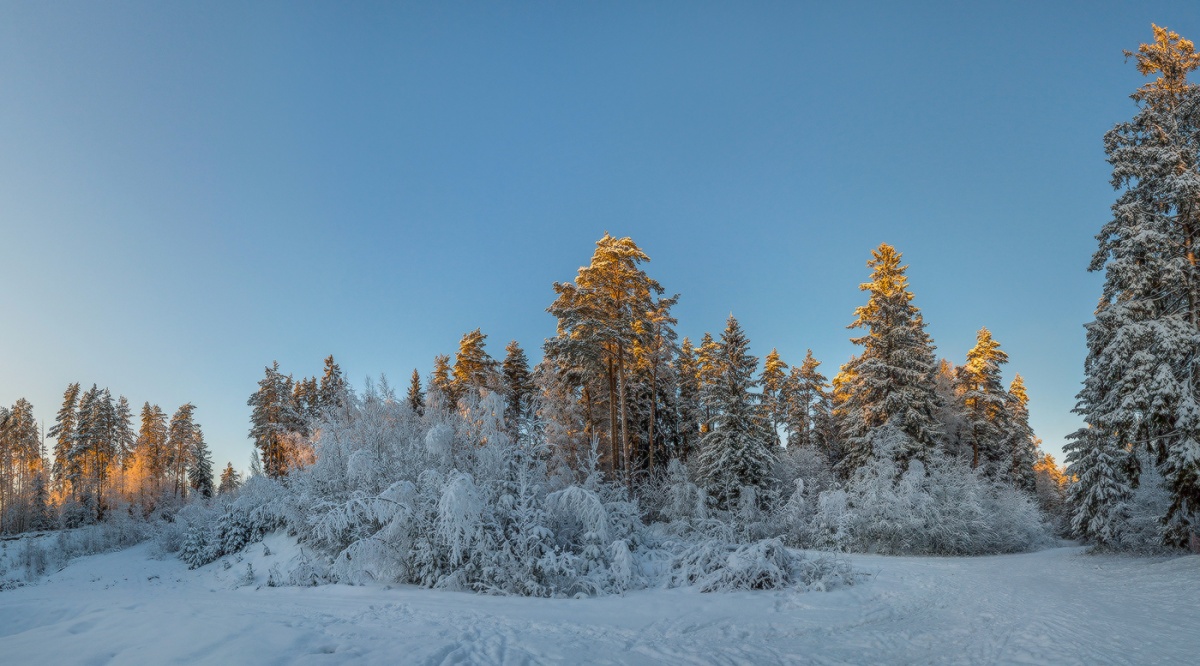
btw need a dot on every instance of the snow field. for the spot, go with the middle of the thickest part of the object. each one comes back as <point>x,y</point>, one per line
<point>1055,606</point>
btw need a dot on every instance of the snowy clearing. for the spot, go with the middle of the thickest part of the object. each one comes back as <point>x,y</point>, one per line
<point>1055,607</point>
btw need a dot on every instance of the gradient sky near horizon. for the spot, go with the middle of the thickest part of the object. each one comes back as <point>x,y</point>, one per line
<point>189,191</point>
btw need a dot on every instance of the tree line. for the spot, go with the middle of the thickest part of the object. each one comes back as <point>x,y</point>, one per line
<point>616,379</point>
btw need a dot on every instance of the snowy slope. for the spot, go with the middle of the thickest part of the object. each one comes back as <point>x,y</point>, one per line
<point>1051,607</point>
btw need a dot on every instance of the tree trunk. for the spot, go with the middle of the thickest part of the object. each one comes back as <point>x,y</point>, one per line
<point>624,414</point>
<point>615,460</point>
<point>653,414</point>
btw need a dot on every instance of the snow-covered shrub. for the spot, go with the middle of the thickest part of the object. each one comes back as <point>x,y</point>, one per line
<point>943,508</point>
<point>716,566</point>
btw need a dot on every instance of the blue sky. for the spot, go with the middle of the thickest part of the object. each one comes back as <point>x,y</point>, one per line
<point>189,191</point>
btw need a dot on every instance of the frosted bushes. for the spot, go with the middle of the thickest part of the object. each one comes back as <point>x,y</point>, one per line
<point>460,510</point>
<point>579,515</point>
<point>943,508</point>
<point>768,564</point>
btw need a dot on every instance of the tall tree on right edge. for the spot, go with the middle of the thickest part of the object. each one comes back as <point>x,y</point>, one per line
<point>1141,376</point>
<point>892,380</point>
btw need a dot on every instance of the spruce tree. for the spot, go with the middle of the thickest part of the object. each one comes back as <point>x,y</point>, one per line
<point>273,418</point>
<point>416,396</point>
<point>518,385</point>
<point>687,372</point>
<point>707,362</point>
<point>806,406</point>
<point>892,380</point>
<point>1021,443</point>
<point>1141,378</point>
<point>984,404</point>
<point>1100,495</point>
<point>738,451</point>
<point>653,383</point>
<point>200,469</point>
<point>124,436</point>
<point>333,393</point>
<point>63,431</point>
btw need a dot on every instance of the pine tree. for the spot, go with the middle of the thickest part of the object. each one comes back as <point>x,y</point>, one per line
<point>93,448</point>
<point>518,385</point>
<point>1141,378</point>
<point>440,381</point>
<point>200,469</point>
<point>773,377</point>
<point>1021,443</point>
<point>151,445</point>
<point>892,381</point>
<point>181,440</point>
<point>474,369</point>
<point>230,480</point>
<point>984,403</point>
<point>416,396</point>
<point>20,463</point>
<point>738,451</point>
<point>599,318</point>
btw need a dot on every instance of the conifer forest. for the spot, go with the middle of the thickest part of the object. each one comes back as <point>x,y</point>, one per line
<point>638,491</point>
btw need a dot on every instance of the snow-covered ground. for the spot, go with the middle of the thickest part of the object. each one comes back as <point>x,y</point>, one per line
<point>1051,607</point>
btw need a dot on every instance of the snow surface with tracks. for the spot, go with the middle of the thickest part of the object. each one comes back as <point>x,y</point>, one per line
<point>1055,606</point>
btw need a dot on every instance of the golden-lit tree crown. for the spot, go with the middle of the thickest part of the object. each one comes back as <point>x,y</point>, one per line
<point>1171,57</point>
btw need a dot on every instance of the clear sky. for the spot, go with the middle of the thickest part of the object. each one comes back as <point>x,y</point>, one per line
<point>189,191</point>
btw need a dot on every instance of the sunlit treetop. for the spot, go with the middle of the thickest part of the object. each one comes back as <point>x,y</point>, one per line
<point>1171,57</point>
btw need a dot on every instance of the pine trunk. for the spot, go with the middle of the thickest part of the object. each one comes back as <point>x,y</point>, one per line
<point>615,460</point>
<point>624,413</point>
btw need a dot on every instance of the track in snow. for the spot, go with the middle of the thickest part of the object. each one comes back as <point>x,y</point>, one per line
<point>1052,607</point>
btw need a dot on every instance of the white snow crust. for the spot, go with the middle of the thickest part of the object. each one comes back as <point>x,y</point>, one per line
<point>1056,606</point>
